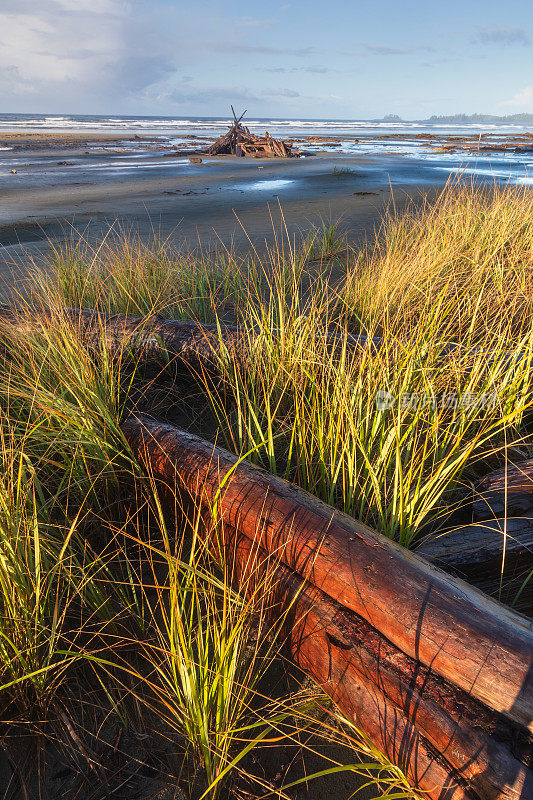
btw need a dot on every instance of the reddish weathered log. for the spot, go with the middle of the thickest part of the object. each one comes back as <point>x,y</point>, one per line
<point>436,732</point>
<point>466,740</point>
<point>470,640</point>
<point>392,730</point>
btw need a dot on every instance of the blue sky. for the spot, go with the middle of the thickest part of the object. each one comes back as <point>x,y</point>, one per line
<point>318,58</point>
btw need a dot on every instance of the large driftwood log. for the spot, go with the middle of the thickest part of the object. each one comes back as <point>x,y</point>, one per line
<point>508,490</point>
<point>437,732</point>
<point>197,347</point>
<point>467,638</point>
<point>421,722</point>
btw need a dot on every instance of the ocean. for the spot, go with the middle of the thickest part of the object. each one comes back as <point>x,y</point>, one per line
<point>214,126</point>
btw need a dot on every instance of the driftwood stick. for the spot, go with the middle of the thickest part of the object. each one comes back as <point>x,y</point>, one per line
<point>470,640</point>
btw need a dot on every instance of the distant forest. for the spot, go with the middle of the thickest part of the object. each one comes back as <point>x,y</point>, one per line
<point>459,118</point>
<point>481,118</point>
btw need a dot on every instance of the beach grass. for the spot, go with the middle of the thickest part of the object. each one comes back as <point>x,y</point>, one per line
<point>124,275</point>
<point>98,586</point>
<point>384,392</point>
<point>388,431</point>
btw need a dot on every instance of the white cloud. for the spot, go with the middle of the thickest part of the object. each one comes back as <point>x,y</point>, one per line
<point>370,49</point>
<point>264,50</point>
<point>317,69</point>
<point>185,94</point>
<point>45,51</point>
<point>386,50</point>
<point>65,47</point>
<point>523,100</point>
<point>280,93</point>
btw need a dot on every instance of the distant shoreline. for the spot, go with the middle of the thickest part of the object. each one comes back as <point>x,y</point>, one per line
<point>88,119</point>
<point>458,119</point>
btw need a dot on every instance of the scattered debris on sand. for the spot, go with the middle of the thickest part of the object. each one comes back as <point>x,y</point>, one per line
<point>238,141</point>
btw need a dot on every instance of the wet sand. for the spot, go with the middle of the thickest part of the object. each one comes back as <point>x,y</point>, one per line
<point>29,139</point>
<point>60,191</point>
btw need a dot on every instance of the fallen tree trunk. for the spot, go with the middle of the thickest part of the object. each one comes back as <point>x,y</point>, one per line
<point>418,720</point>
<point>508,490</point>
<point>438,733</point>
<point>467,638</point>
<point>197,347</point>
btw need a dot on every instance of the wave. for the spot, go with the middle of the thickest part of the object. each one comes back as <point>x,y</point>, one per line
<point>217,124</point>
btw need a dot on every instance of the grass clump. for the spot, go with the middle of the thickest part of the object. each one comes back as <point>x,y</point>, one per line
<point>343,171</point>
<point>472,248</point>
<point>122,275</point>
<point>63,459</point>
<point>308,410</point>
<point>210,651</point>
<point>66,405</point>
<point>39,576</point>
<point>323,243</point>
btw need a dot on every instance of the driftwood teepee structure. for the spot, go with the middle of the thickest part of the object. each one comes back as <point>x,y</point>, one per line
<point>238,141</point>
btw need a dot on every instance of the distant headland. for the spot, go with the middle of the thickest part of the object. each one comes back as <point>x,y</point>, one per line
<point>457,118</point>
<point>461,118</point>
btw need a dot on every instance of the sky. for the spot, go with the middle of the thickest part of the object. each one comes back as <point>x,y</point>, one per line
<point>340,59</point>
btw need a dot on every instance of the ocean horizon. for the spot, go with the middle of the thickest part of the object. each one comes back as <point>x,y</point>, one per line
<point>195,125</point>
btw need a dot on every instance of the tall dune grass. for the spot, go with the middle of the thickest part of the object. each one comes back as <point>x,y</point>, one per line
<point>471,247</point>
<point>310,412</point>
<point>66,404</point>
<point>446,292</point>
<point>123,275</point>
<point>63,458</point>
<point>210,650</point>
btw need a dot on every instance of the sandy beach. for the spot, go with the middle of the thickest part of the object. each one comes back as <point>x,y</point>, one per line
<point>55,186</point>
<point>58,182</point>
